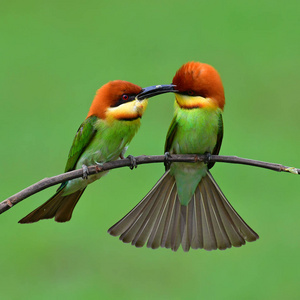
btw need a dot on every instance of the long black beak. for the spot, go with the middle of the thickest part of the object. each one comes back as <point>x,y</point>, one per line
<point>155,90</point>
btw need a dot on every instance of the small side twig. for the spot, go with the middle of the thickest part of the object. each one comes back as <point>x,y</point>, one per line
<point>127,162</point>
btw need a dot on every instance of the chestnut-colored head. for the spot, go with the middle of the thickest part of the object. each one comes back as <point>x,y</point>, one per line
<point>198,85</point>
<point>117,99</point>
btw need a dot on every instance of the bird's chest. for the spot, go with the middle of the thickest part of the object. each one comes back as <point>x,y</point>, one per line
<point>197,131</point>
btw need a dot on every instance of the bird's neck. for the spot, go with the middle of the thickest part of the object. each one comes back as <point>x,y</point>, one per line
<point>191,102</point>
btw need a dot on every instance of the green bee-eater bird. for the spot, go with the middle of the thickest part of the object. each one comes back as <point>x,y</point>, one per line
<point>112,121</point>
<point>186,206</point>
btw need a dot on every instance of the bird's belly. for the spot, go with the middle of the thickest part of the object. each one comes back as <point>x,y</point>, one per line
<point>81,183</point>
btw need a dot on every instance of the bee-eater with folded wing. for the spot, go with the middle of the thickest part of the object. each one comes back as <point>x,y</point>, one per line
<point>112,121</point>
<point>186,206</point>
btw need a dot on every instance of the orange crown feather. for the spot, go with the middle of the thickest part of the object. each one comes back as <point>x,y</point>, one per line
<point>202,79</point>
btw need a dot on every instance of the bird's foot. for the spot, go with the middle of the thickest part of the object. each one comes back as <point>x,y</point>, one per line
<point>133,163</point>
<point>98,166</point>
<point>167,162</point>
<point>207,157</point>
<point>85,170</point>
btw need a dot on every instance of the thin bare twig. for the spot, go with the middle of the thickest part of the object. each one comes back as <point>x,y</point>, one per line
<point>191,158</point>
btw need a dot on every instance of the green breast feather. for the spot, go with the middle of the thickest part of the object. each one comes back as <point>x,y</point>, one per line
<point>195,131</point>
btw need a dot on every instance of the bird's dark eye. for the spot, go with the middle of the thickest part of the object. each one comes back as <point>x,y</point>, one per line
<point>191,93</point>
<point>125,97</point>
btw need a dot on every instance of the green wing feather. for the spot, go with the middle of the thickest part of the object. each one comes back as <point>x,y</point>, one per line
<point>219,140</point>
<point>170,138</point>
<point>170,135</point>
<point>82,139</point>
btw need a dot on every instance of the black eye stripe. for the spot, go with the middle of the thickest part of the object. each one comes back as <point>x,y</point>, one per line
<point>192,93</point>
<point>125,99</point>
<point>189,93</point>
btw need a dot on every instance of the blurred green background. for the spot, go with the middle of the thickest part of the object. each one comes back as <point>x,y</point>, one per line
<point>56,54</point>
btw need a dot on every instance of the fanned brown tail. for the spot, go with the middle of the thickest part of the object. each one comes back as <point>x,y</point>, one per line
<point>208,222</point>
<point>58,206</point>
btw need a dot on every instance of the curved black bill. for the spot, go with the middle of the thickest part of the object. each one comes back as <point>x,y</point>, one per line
<point>155,90</point>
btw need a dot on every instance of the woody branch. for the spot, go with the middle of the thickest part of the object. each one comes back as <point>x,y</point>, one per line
<point>138,160</point>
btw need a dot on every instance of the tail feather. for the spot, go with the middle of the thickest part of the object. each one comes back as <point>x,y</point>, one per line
<point>148,219</point>
<point>221,240</point>
<point>125,223</point>
<point>158,227</point>
<point>58,206</point>
<point>197,241</point>
<point>209,237</point>
<point>208,222</point>
<point>135,229</point>
<point>143,216</point>
<point>225,213</point>
<point>185,228</point>
<point>154,215</point>
<point>175,227</point>
<point>166,234</point>
<point>65,210</point>
<point>238,223</point>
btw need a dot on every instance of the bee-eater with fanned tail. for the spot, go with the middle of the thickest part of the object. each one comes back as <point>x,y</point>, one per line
<point>112,121</point>
<point>186,206</point>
